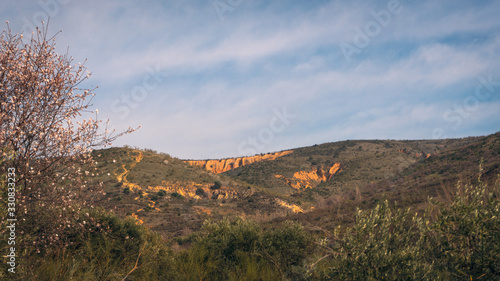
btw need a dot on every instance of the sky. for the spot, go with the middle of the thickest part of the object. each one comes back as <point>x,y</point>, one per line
<point>214,79</point>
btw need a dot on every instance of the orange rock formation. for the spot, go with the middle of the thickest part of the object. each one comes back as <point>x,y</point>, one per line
<point>122,177</point>
<point>294,208</point>
<point>224,165</point>
<point>309,179</point>
<point>188,190</point>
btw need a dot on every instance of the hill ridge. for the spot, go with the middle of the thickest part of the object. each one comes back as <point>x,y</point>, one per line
<point>326,181</point>
<point>218,166</point>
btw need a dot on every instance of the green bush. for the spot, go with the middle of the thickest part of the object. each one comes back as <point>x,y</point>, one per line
<point>217,185</point>
<point>464,241</point>
<point>241,250</point>
<point>221,248</point>
<point>459,241</point>
<point>288,246</point>
<point>382,245</point>
<point>176,195</point>
<point>110,248</point>
<point>200,192</point>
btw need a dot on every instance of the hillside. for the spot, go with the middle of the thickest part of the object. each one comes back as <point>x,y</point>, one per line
<point>308,170</point>
<point>320,185</point>
<point>435,176</point>
<point>171,196</point>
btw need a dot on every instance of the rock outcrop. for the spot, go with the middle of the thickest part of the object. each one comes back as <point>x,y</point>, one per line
<point>196,190</point>
<point>122,177</point>
<point>224,165</point>
<point>310,179</point>
<point>294,208</point>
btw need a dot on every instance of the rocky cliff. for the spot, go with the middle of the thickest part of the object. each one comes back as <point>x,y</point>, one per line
<point>309,179</point>
<point>198,191</point>
<point>224,165</point>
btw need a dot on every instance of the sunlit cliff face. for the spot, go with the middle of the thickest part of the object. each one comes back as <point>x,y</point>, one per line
<point>224,165</point>
<point>309,179</point>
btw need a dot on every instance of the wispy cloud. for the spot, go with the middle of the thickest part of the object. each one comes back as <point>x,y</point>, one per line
<point>222,80</point>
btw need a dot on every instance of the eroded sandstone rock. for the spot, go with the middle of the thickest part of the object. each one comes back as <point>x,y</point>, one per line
<point>224,165</point>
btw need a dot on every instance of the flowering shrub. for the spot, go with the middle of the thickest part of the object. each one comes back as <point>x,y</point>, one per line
<point>44,137</point>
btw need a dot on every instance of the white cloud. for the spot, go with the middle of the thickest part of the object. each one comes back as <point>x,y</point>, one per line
<point>228,76</point>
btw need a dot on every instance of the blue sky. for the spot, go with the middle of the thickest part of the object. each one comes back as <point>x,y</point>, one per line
<point>213,79</point>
